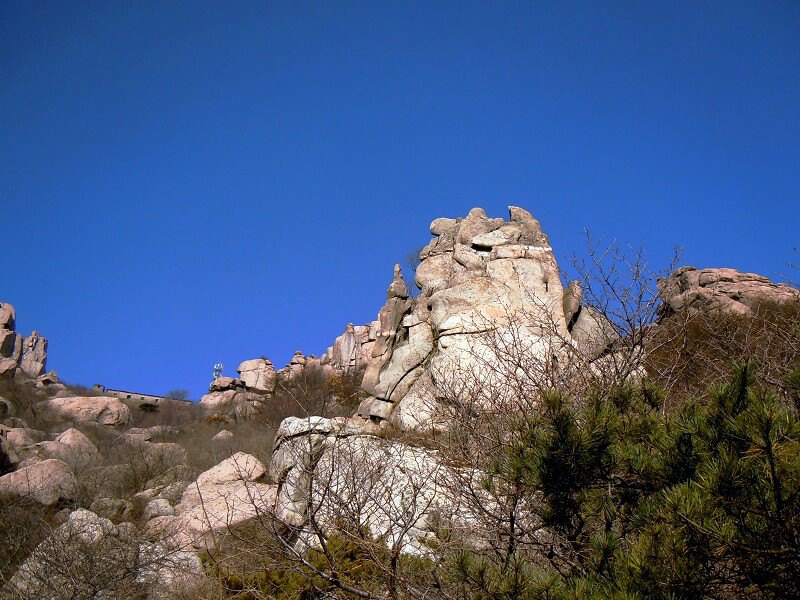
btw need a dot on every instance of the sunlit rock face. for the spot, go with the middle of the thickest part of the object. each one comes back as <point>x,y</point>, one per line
<point>231,398</point>
<point>25,356</point>
<point>482,281</point>
<point>729,290</point>
<point>258,374</point>
<point>350,352</point>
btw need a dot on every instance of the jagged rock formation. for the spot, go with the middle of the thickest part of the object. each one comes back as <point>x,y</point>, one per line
<point>477,275</point>
<point>258,375</point>
<point>350,351</point>
<point>727,289</point>
<point>18,354</point>
<point>34,355</point>
<point>297,364</point>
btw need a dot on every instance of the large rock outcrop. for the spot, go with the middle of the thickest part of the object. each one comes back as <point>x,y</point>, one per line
<point>491,305</point>
<point>729,290</point>
<point>258,374</point>
<point>232,399</point>
<point>103,410</point>
<point>26,356</point>
<point>481,280</point>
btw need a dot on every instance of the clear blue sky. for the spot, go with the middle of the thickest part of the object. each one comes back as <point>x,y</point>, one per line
<point>189,182</point>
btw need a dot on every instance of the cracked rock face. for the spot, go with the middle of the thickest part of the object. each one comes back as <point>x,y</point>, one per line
<point>19,354</point>
<point>258,374</point>
<point>349,352</point>
<point>485,284</point>
<point>34,355</point>
<point>477,275</point>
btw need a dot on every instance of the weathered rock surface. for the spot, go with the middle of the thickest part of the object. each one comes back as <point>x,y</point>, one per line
<point>258,374</point>
<point>72,447</point>
<point>351,350</point>
<point>8,316</point>
<point>10,341</point>
<point>239,467</point>
<point>230,493</point>
<point>34,355</point>
<point>397,491</point>
<point>103,410</point>
<point>22,438</point>
<point>730,290</point>
<point>8,366</point>
<point>298,445</point>
<point>234,404</point>
<point>46,482</point>
<point>27,356</point>
<point>481,279</point>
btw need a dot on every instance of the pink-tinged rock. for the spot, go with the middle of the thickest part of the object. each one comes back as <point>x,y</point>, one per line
<point>220,384</point>
<point>46,482</point>
<point>72,447</point>
<point>258,374</point>
<point>34,355</point>
<point>103,410</point>
<point>222,437</point>
<point>223,496</point>
<point>726,289</point>
<point>7,316</point>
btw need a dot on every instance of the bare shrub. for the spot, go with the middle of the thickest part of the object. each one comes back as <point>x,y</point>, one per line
<point>169,412</point>
<point>24,397</point>
<point>79,389</point>
<point>88,557</point>
<point>23,524</point>
<point>177,394</point>
<point>203,454</point>
<point>693,350</point>
<point>311,392</point>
